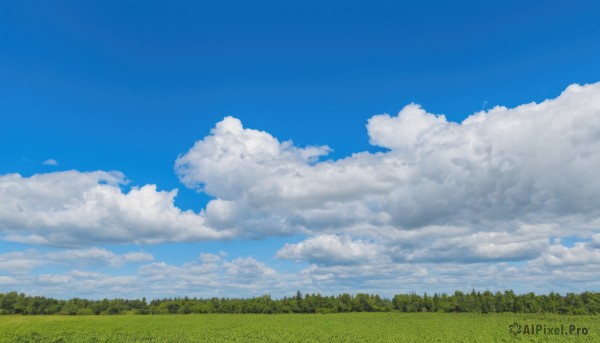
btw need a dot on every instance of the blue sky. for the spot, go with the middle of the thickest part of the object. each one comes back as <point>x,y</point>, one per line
<point>132,87</point>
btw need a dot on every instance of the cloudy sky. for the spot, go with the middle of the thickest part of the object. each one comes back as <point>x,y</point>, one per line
<point>228,148</point>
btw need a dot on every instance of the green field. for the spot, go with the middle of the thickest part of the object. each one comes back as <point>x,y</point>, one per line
<point>346,327</point>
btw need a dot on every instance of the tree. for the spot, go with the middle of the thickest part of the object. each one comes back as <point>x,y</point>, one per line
<point>70,308</point>
<point>8,302</point>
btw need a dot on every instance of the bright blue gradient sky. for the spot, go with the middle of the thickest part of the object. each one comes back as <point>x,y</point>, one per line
<point>130,86</point>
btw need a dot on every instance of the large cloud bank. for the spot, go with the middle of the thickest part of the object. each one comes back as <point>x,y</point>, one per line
<point>495,187</point>
<point>445,205</point>
<point>499,186</point>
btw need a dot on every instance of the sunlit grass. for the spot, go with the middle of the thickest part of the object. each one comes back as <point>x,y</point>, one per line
<point>346,327</point>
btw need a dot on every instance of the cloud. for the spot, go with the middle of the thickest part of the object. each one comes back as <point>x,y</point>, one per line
<point>23,262</point>
<point>137,256</point>
<point>50,162</point>
<point>510,178</point>
<point>248,268</point>
<point>26,239</point>
<point>463,246</point>
<point>78,208</point>
<point>492,168</point>
<point>481,247</point>
<point>83,284</point>
<point>29,271</point>
<point>595,242</point>
<point>493,188</point>
<point>405,130</point>
<point>8,280</point>
<point>210,275</point>
<point>210,164</point>
<point>558,268</point>
<point>87,256</point>
<point>330,249</point>
<point>581,254</point>
<point>210,258</point>
<point>95,255</point>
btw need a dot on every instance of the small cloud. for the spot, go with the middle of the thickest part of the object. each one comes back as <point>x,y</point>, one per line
<point>210,258</point>
<point>7,280</point>
<point>50,162</point>
<point>25,239</point>
<point>248,268</point>
<point>330,249</point>
<point>138,256</point>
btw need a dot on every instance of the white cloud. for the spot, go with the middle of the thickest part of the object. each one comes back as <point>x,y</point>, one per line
<point>137,256</point>
<point>212,276</point>
<point>210,258</point>
<point>54,279</point>
<point>8,280</point>
<point>50,162</point>
<point>21,262</point>
<point>83,284</point>
<point>248,268</point>
<point>558,268</point>
<point>95,255</point>
<point>26,239</point>
<point>331,249</point>
<point>510,178</point>
<point>87,256</point>
<point>211,162</point>
<point>581,254</point>
<point>491,189</point>
<point>482,246</point>
<point>405,130</point>
<point>75,208</point>
<point>491,168</point>
<point>25,262</point>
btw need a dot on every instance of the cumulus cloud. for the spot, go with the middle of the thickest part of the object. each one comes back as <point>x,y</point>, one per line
<point>509,178</point>
<point>246,276</point>
<point>331,249</point>
<point>75,208</point>
<point>22,262</point>
<point>558,268</point>
<point>95,255</point>
<point>87,256</point>
<point>248,268</point>
<point>481,247</point>
<point>83,283</point>
<point>493,188</point>
<point>137,256</point>
<point>405,130</point>
<point>581,254</point>
<point>211,275</point>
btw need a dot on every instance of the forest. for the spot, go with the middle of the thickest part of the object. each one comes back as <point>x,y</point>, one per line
<point>473,302</point>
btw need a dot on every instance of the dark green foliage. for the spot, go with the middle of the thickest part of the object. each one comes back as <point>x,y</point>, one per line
<point>473,302</point>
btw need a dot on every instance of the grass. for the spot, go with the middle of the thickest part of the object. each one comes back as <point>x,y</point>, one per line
<point>347,327</point>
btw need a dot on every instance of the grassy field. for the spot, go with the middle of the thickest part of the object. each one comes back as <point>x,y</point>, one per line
<point>347,327</point>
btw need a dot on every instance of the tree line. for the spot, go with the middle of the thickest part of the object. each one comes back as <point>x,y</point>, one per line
<point>474,302</point>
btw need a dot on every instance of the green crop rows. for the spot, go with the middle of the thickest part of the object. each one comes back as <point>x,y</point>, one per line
<point>346,327</point>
